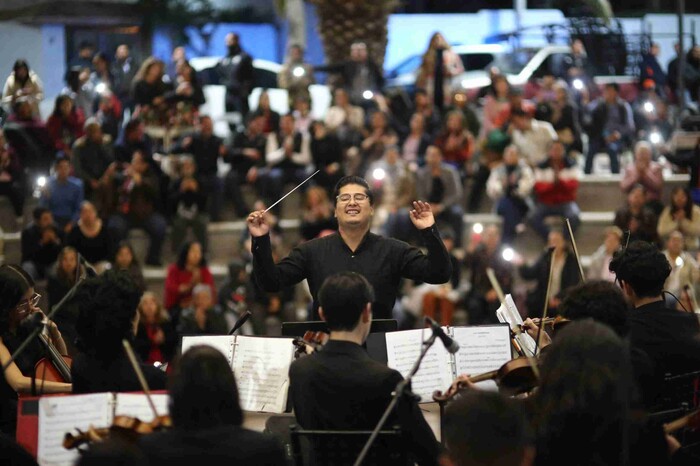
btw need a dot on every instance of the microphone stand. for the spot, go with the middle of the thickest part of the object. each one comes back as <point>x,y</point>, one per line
<point>39,328</point>
<point>402,390</point>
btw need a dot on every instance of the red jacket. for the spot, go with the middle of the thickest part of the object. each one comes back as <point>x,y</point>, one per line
<point>176,277</point>
<point>552,188</point>
<point>63,132</point>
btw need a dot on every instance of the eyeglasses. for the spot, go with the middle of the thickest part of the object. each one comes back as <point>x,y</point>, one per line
<point>358,197</point>
<point>25,304</point>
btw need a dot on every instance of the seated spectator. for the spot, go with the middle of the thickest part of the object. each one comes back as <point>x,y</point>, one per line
<point>65,125</point>
<point>148,90</point>
<point>210,429</point>
<point>202,317</point>
<point>28,136</point>
<point>296,75</point>
<point>134,139</point>
<point>247,160</point>
<point>684,270</point>
<point>188,94</point>
<point>345,120</point>
<point>92,155</point>
<point>80,90</point>
<point>12,179</point>
<point>565,274</point>
<point>456,143</point>
<point>188,200</point>
<point>509,185</point>
<point>101,76</point>
<point>424,106</point>
<point>490,156</point>
<point>440,301</point>
<point>681,215</point>
<point>532,137</point>
<point>394,187</point>
<point>23,82</point>
<point>41,244</point>
<point>565,118</point>
<point>327,155</point>
<point>414,146</point>
<point>207,149</point>
<point>91,238</point>
<point>287,158</point>
<point>124,68</point>
<point>496,106</point>
<point>237,295</point>
<point>301,109</point>
<point>460,101</point>
<point>60,281</point>
<point>63,195</point>
<point>636,217</point>
<point>646,172</point>
<point>438,183</point>
<point>108,115</point>
<point>377,137</point>
<point>189,271</point>
<point>475,432</point>
<point>125,259</point>
<point>155,336</point>
<point>650,69</point>
<point>318,215</point>
<point>611,129</point>
<point>136,207</point>
<point>271,119</point>
<point>556,184</point>
<point>600,260</point>
<point>483,253</point>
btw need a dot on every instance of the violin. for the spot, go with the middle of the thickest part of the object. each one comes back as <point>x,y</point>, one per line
<point>556,323</point>
<point>516,376</point>
<point>310,342</point>
<point>125,427</point>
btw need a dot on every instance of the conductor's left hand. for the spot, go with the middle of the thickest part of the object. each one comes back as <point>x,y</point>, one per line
<point>422,215</point>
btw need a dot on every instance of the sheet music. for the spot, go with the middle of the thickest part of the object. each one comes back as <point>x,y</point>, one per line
<point>261,366</point>
<point>435,373</point>
<point>482,349</point>
<point>59,415</point>
<point>136,405</point>
<point>224,343</point>
<point>510,314</point>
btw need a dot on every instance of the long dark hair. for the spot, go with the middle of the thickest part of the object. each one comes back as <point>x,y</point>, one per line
<point>14,283</point>
<point>57,106</point>
<point>203,390</point>
<point>585,394</point>
<point>687,208</point>
<point>21,63</point>
<point>62,275</point>
<point>184,251</point>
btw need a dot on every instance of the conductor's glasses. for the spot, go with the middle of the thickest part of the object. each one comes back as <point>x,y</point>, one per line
<point>359,197</point>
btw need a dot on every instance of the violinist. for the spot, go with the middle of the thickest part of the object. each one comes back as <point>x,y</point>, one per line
<point>107,314</point>
<point>207,419</point>
<point>341,387</point>
<point>18,300</point>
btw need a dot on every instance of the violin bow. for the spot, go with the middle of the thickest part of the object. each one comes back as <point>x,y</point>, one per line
<point>140,376</point>
<point>538,341</point>
<point>573,244</point>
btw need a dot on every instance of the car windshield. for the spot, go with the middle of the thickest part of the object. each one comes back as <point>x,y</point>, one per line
<point>513,63</point>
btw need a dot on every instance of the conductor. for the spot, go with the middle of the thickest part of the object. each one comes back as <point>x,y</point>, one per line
<point>382,261</point>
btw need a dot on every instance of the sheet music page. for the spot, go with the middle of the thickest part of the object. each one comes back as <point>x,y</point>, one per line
<point>482,349</point>
<point>261,366</point>
<point>510,314</point>
<point>136,405</point>
<point>435,373</point>
<point>224,343</point>
<point>59,415</point>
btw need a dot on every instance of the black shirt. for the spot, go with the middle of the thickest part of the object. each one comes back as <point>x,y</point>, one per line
<point>90,375</point>
<point>382,261</point>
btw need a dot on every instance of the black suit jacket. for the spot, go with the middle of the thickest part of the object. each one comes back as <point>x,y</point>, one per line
<point>342,388</point>
<point>216,446</point>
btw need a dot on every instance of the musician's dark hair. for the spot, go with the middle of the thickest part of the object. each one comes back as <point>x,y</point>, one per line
<point>586,388</point>
<point>14,283</point>
<point>107,305</point>
<point>486,428</point>
<point>203,390</point>
<point>184,251</point>
<point>352,179</point>
<point>599,300</point>
<point>114,451</point>
<point>643,267</point>
<point>343,297</point>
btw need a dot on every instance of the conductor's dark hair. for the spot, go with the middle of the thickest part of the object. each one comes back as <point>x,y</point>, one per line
<point>352,179</point>
<point>643,267</point>
<point>486,428</point>
<point>14,283</point>
<point>106,307</point>
<point>599,300</point>
<point>343,297</point>
<point>203,391</point>
<point>586,389</point>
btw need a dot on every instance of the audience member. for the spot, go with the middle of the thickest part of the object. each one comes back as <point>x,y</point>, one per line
<point>362,78</point>
<point>189,271</point>
<point>149,91</point>
<point>65,125</point>
<point>12,178</point>
<point>440,301</point>
<point>636,218</point>
<point>646,172</point>
<point>301,110</point>
<point>532,137</point>
<point>60,281</point>
<point>684,270</point>
<point>134,139</point>
<point>271,119</point>
<point>63,195</point>
<point>80,90</point>
<point>415,144</point>
<point>599,268</point>
<point>124,68</point>
<point>450,66</point>
<point>237,295</point>
<point>155,338</point>
<point>91,238</point>
<point>461,102</point>
<point>496,106</point>
<point>188,200</point>
<point>41,243</point>
<point>247,160</point>
<point>394,185</point>
<point>125,260</point>
<point>422,104</point>
<point>556,185</point>
<point>235,72</point>
<point>565,118</point>
<point>86,50</point>
<point>456,143</point>
<point>92,157</point>
<point>345,119</point>
<point>101,77</point>
<point>23,82</point>
<point>509,185</point>
<point>202,316</point>
<point>29,137</point>
<point>177,58</point>
<point>317,216</point>
<point>296,75</point>
<point>377,137</point>
<point>681,215</point>
<point>327,155</point>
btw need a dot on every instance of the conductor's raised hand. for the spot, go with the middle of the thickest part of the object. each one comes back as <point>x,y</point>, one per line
<point>422,215</point>
<point>257,226</point>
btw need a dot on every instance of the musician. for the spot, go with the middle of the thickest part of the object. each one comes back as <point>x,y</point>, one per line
<point>383,261</point>
<point>341,387</point>
<point>486,428</point>
<point>107,307</point>
<point>671,338</point>
<point>18,300</point>
<point>207,418</point>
